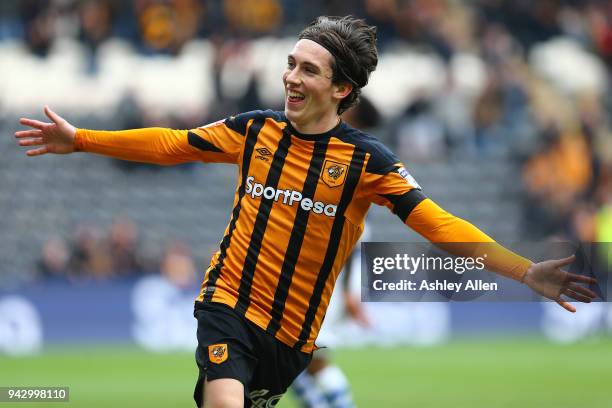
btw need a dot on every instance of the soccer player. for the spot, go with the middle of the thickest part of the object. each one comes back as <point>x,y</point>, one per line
<point>305,183</point>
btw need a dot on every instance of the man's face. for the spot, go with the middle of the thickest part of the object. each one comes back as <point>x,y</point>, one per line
<point>311,100</point>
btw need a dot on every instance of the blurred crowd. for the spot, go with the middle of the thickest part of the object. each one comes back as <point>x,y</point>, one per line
<point>544,104</point>
<point>92,253</point>
<point>445,25</point>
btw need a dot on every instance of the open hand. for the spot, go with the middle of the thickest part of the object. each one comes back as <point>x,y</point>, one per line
<point>549,280</point>
<point>56,137</point>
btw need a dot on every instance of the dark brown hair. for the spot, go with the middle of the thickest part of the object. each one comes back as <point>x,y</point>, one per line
<point>352,43</point>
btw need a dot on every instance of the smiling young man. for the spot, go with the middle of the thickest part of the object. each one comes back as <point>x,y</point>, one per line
<point>305,183</point>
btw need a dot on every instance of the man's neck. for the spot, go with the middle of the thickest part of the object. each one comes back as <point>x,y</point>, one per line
<point>314,128</point>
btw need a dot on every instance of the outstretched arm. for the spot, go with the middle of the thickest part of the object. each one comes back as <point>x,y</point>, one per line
<point>391,185</point>
<point>217,142</point>
<point>545,278</point>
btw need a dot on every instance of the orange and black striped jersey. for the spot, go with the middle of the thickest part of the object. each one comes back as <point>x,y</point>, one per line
<point>299,208</point>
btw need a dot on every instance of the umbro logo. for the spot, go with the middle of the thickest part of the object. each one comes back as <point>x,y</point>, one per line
<point>263,154</point>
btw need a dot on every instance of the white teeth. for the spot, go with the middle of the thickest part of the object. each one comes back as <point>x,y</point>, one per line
<point>294,94</point>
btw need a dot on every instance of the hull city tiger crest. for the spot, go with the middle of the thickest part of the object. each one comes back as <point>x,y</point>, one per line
<point>334,173</point>
<point>217,353</point>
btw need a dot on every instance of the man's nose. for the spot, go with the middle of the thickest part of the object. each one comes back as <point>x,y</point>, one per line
<point>293,77</point>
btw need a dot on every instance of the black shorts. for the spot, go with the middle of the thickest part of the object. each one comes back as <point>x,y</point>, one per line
<point>230,346</point>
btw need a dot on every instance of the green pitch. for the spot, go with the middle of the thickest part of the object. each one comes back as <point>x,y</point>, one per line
<point>470,374</point>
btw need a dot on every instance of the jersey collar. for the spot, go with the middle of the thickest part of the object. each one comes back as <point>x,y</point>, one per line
<point>336,130</point>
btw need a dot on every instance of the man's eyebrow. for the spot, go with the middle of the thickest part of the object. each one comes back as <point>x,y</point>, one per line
<point>307,63</point>
<point>310,64</point>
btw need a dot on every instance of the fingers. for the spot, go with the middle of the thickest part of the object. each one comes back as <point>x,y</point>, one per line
<point>40,125</point>
<point>37,152</point>
<point>559,263</point>
<point>37,141</point>
<point>28,133</point>
<point>33,123</point>
<point>582,279</point>
<point>577,296</point>
<point>582,290</point>
<point>52,115</point>
<point>566,306</point>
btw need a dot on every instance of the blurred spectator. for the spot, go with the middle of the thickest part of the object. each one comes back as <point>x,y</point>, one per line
<point>488,116</point>
<point>38,19</point>
<point>178,265</point>
<point>453,108</point>
<point>418,134</point>
<point>224,51</point>
<point>166,25</point>
<point>54,259</point>
<point>555,178</point>
<point>89,254</point>
<point>362,116</point>
<point>529,21</point>
<point>444,26</point>
<point>599,22</point>
<point>95,22</point>
<point>245,17</point>
<point>123,248</point>
<point>382,14</point>
<point>95,26</point>
<point>583,226</point>
<point>129,114</point>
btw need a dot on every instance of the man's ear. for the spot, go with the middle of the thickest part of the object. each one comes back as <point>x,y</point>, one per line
<point>342,90</point>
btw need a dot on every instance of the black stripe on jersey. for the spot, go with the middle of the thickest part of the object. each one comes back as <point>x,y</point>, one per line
<point>238,123</point>
<point>352,179</point>
<point>297,236</point>
<point>202,144</point>
<point>213,275</point>
<point>381,159</point>
<point>405,203</point>
<point>265,206</point>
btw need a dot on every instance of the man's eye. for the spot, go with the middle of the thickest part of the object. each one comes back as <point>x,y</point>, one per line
<point>290,64</point>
